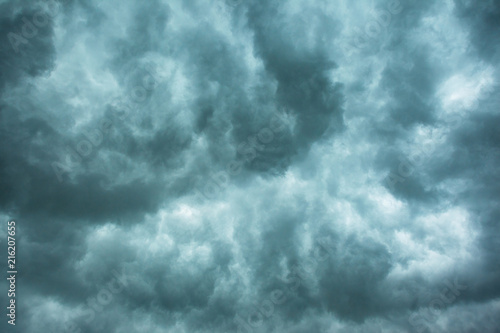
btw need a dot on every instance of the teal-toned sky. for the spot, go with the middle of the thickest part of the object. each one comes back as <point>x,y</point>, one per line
<point>251,166</point>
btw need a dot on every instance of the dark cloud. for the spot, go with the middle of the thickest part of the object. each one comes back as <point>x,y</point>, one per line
<point>483,20</point>
<point>248,166</point>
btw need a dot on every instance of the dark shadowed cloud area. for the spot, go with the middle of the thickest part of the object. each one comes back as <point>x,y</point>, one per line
<point>251,165</point>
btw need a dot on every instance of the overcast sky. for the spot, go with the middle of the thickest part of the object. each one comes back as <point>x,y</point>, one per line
<point>290,166</point>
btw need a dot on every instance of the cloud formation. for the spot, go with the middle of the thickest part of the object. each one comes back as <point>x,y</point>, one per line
<point>252,166</point>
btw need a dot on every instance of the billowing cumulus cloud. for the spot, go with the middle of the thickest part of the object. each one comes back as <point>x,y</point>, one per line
<point>251,166</point>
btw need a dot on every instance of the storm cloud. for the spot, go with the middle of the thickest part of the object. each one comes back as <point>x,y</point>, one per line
<point>251,166</point>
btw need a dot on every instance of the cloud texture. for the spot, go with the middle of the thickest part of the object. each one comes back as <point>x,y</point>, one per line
<point>252,166</point>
